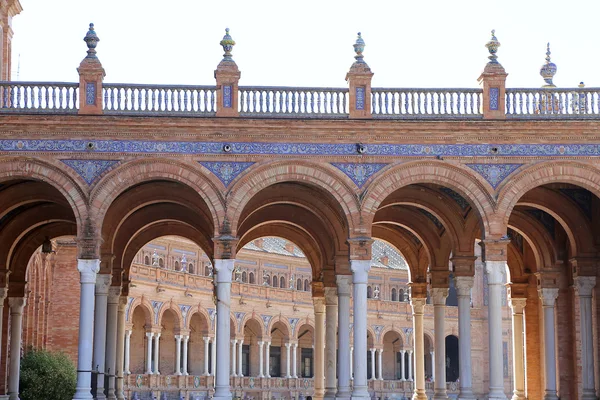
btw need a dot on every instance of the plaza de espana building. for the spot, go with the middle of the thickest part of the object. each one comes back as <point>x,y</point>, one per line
<point>225,241</point>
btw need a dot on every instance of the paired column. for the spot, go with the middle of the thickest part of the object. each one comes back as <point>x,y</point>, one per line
<point>548,297</point>
<point>224,269</point>
<point>240,345</point>
<point>119,371</point>
<point>410,365</point>
<point>87,277</point>
<point>372,350</point>
<point>360,276</point>
<point>432,357</point>
<point>495,272</point>
<point>102,285</point>
<point>177,354</point>
<point>206,343</point>
<point>344,286</point>
<point>288,356</point>
<point>331,316</point>
<point>379,364</point>
<point>418,306</point>
<point>127,350</point>
<point>233,355</point>
<point>261,346</point>
<point>17,304</point>
<point>402,370</point>
<point>268,360</point>
<point>186,339</point>
<point>463,285</point>
<point>439,362</point>
<point>583,289</point>
<point>156,352</point>
<point>319,379</point>
<point>351,361</point>
<point>213,355</point>
<point>517,306</point>
<point>111,340</point>
<point>149,336</point>
<point>294,361</point>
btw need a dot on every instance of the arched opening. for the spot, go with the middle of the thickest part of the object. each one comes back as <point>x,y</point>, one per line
<point>167,348</point>
<point>146,260</point>
<point>176,268</point>
<point>394,296</point>
<point>245,277</point>
<point>275,281</point>
<point>369,292</point>
<point>277,354</point>
<point>299,284</point>
<point>282,283</point>
<point>392,344</point>
<point>197,355</point>
<point>401,295</point>
<point>140,326</point>
<point>251,278</point>
<point>305,351</point>
<point>452,361</point>
<point>306,285</point>
<point>251,348</point>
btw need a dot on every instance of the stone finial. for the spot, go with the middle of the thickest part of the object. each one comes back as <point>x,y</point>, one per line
<point>359,47</point>
<point>91,39</point>
<point>548,70</point>
<point>227,44</point>
<point>492,47</point>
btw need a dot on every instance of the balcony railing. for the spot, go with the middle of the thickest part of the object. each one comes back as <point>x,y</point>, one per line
<point>298,102</point>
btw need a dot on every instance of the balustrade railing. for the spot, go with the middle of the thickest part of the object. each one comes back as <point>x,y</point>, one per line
<point>425,103</point>
<point>547,103</point>
<point>293,102</point>
<point>159,99</point>
<point>38,97</point>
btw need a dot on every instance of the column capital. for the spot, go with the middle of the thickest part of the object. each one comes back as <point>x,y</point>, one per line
<point>260,343</point>
<point>360,270</point>
<point>233,341</point>
<point>224,268</point>
<point>88,269</point>
<point>360,248</point>
<point>17,304</point>
<point>157,335</point>
<point>439,296</point>
<point>331,296</point>
<point>319,304</point>
<point>495,249</point>
<point>584,285</point>
<point>463,285</point>
<point>517,304</point>
<point>495,271</point>
<point>149,334</point>
<point>287,345</point>
<point>3,294</point>
<point>102,284</point>
<point>344,285</point>
<point>418,304</point>
<point>114,294</point>
<point>206,338</point>
<point>548,296</point>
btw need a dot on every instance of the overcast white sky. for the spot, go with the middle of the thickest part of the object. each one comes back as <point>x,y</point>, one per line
<point>414,43</point>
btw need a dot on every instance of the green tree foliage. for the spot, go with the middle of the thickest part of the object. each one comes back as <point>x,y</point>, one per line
<point>46,375</point>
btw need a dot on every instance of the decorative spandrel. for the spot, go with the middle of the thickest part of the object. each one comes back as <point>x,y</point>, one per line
<point>90,170</point>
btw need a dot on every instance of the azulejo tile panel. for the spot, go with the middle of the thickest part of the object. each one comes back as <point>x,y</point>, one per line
<point>359,172</point>
<point>226,171</point>
<point>494,174</point>
<point>300,149</point>
<point>90,170</point>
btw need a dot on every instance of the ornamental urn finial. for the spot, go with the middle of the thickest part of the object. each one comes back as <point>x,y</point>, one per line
<point>548,70</point>
<point>227,44</point>
<point>91,39</point>
<point>359,47</point>
<point>492,47</point>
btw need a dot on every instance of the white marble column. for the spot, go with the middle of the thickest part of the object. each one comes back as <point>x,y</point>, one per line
<point>177,354</point>
<point>410,366</point>
<point>439,362</point>
<point>351,361</point>
<point>224,269</point>
<point>463,285</point>
<point>127,351</point>
<point>294,361</point>
<point>186,339</point>
<point>344,287</point>
<point>267,359</point>
<point>402,369</point>
<point>206,343</point>
<point>418,306</point>
<point>360,276</point>
<point>548,297</point>
<point>213,352</point>
<point>156,353</point>
<point>149,337</point>
<point>331,316</point>
<point>517,305</point>
<point>261,346</point>
<point>288,356</point>
<point>373,376</point>
<point>380,364</point>
<point>17,304</point>
<point>319,351</point>
<point>98,360</point>
<point>495,271</point>
<point>87,274</point>
<point>111,340</point>
<point>120,358</point>
<point>584,286</point>
<point>239,359</point>
<point>233,356</point>
<point>432,357</point>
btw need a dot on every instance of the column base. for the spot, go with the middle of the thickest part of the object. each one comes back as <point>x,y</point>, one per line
<point>222,393</point>
<point>440,395</point>
<point>360,393</point>
<point>588,394</point>
<point>466,394</point>
<point>329,395</point>
<point>419,394</point>
<point>14,397</point>
<point>550,395</point>
<point>343,394</point>
<point>80,394</point>
<point>100,394</point>
<point>496,394</point>
<point>111,395</point>
<point>519,395</point>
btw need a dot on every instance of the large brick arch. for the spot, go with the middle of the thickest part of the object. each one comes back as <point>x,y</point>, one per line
<point>457,178</point>
<point>136,172</point>
<point>320,176</point>
<point>51,172</point>
<point>577,173</point>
